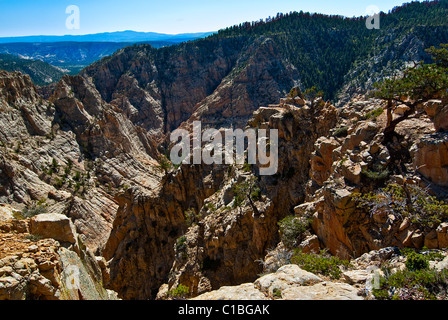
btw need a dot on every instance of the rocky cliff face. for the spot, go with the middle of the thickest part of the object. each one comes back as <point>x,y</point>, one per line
<point>224,79</point>
<point>141,244</point>
<point>223,246</point>
<point>343,165</point>
<point>71,153</point>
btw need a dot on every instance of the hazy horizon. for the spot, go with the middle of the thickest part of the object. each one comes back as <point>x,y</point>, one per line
<point>45,18</point>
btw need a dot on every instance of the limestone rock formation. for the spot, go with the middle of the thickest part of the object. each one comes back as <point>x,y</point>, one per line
<point>141,244</point>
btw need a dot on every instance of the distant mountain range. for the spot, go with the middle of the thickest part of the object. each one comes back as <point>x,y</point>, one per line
<point>70,54</point>
<point>119,36</point>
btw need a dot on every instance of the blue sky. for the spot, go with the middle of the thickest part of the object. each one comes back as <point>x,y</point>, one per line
<point>48,17</point>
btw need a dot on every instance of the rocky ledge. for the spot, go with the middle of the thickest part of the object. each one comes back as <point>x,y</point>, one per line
<point>356,282</point>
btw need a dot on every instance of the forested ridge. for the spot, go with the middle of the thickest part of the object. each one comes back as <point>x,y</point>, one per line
<point>325,48</point>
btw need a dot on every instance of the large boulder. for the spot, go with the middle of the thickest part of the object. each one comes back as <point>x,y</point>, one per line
<point>53,225</point>
<point>322,291</point>
<point>284,277</point>
<point>290,282</point>
<point>246,291</point>
<point>430,157</point>
<point>437,110</point>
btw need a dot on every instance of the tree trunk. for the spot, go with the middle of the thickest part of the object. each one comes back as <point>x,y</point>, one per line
<point>389,131</point>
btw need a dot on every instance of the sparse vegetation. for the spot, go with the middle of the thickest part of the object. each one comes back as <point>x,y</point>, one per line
<point>417,282</point>
<point>247,167</point>
<point>372,115</point>
<point>292,229</point>
<point>376,175</point>
<point>181,246</point>
<point>313,94</point>
<point>321,263</point>
<point>34,209</point>
<point>165,164</point>
<point>246,190</point>
<point>277,293</point>
<point>341,132</point>
<point>180,292</point>
<point>409,201</point>
<point>191,217</point>
<point>416,261</point>
<point>425,284</point>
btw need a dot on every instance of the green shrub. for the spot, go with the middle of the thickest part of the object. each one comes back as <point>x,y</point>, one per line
<point>292,230</point>
<point>321,263</point>
<point>402,201</point>
<point>58,183</point>
<point>416,261</point>
<point>210,206</point>
<point>77,176</point>
<point>376,176</point>
<point>34,210</point>
<point>54,165</point>
<point>191,218</point>
<point>165,164</point>
<point>181,292</point>
<point>247,167</point>
<point>341,132</point>
<point>241,192</point>
<point>256,193</point>
<point>372,115</point>
<point>423,284</point>
<point>181,244</point>
<point>277,293</point>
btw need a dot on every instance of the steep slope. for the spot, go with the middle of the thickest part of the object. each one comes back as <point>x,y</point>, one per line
<point>70,155</point>
<point>159,89</point>
<point>40,72</point>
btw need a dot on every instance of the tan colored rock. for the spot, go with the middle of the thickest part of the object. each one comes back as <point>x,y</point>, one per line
<point>430,157</point>
<point>441,118</point>
<point>322,159</point>
<point>401,109</point>
<point>284,277</point>
<point>246,291</point>
<point>6,213</point>
<point>356,276</point>
<point>364,132</point>
<point>442,235</point>
<point>322,291</point>
<point>310,245</point>
<point>431,241</point>
<point>52,225</point>
<point>431,107</point>
<point>441,265</point>
<point>329,221</point>
<point>351,171</point>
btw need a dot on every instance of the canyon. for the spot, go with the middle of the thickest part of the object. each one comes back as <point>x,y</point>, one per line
<point>86,179</point>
